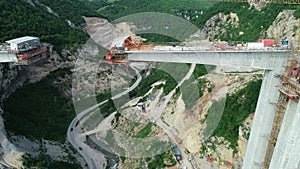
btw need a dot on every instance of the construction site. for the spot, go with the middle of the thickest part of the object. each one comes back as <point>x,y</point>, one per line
<point>278,145</point>
<point>23,51</point>
<point>289,96</point>
<point>274,140</point>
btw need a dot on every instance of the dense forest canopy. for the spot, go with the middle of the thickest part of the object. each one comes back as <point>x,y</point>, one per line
<point>251,21</point>
<point>19,18</point>
<point>73,10</point>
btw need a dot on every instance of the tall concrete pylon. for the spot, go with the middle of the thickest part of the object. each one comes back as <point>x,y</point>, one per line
<point>262,123</point>
<point>286,154</point>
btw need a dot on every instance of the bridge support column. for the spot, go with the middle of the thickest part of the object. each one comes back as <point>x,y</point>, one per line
<point>287,151</point>
<point>262,123</point>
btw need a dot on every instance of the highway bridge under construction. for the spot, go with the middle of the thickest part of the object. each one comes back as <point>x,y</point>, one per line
<point>274,141</point>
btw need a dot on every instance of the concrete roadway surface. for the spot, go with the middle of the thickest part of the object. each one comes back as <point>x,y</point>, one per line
<point>75,137</point>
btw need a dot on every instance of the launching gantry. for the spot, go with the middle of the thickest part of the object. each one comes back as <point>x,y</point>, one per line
<point>117,53</point>
<point>23,51</point>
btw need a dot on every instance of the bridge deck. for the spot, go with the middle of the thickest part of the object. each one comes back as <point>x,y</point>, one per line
<point>250,59</point>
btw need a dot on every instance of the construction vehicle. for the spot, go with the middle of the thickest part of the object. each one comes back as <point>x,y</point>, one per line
<point>177,153</point>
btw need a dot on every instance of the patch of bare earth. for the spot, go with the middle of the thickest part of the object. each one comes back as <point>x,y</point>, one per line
<point>189,124</point>
<point>57,151</point>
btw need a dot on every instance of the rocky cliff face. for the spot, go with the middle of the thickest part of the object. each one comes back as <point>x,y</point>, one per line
<point>11,77</point>
<point>284,26</point>
<point>257,5</point>
<point>215,27</point>
<point>11,155</point>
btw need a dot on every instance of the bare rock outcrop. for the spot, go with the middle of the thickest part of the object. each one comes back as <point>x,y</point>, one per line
<point>284,26</point>
<point>11,77</point>
<point>215,26</point>
<point>257,4</point>
<point>11,154</point>
<point>103,32</point>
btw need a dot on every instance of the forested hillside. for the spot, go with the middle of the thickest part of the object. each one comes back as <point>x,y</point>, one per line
<point>18,18</point>
<point>251,21</point>
<point>117,9</point>
<point>73,10</point>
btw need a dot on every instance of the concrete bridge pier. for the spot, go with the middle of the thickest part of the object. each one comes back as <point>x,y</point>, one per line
<point>262,123</point>
<point>272,62</point>
<point>287,151</point>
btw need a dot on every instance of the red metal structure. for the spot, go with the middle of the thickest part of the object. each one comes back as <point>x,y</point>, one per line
<point>27,50</point>
<point>117,53</point>
<point>115,56</point>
